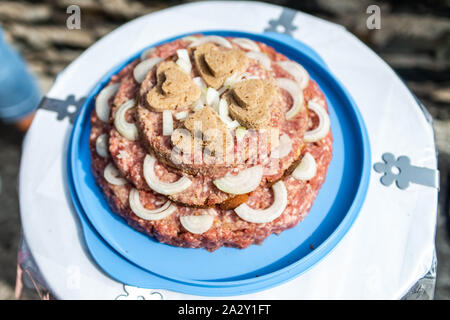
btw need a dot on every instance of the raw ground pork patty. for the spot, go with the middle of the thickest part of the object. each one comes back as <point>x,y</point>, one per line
<point>202,215</point>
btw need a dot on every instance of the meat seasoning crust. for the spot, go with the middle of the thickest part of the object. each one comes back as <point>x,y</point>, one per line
<point>239,96</point>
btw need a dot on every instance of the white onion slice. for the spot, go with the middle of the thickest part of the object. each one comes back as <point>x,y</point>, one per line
<point>156,214</point>
<point>240,133</point>
<point>221,41</point>
<point>200,103</point>
<point>306,169</point>
<point>248,44</point>
<point>167,123</point>
<point>296,93</point>
<point>112,175</point>
<point>199,82</point>
<point>197,224</point>
<point>324,123</point>
<point>318,101</point>
<point>166,188</point>
<point>102,107</point>
<point>269,214</point>
<point>261,58</point>
<point>101,145</point>
<point>244,182</point>
<point>299,73</point>
<point>224,116</point>
<point>223,108</point>
<point>183,54</point>
<point>235,78</point>
<point>231,80</point>
<point>248,76</point>
<point>184,62</point>
<point>283,148</point>
<point>184,65</point>
<point>126,129</point>
<point>212,98</point>
<point>141,70</point>
<point>190,38</point>
<point>146,52</point>
<point>232,124</point>
<point>182,115</point>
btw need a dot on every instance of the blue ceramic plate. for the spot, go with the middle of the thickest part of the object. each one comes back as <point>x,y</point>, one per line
<point>120,250</point>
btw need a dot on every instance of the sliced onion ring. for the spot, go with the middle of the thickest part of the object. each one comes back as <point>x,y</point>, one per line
<point>184,65</point>
<point>307,168</point>
<point>221,41</point>
<point>167,123</point>
<point>126,129</point>
<point>231,80</point>
<point>199,82</point>
<point>212,98</point>
<point>247,44</point>
<point>141,70</point>
<point>231,124</point>
<point>244,182</point>
<point>112,175</point>
<point>184,62</point>
<point>299,73</point>
<point>235,78</point>
<point>146,52</point>
<point>190,38</point>
<point>101,145</point>
<point>296,93</point>
<point>202,99</point>
<point>224,115</point>
<point>240,132</point>
<point>182,115</point>
<point>102,107</point>
<point>156,214</point>
<point>283,148</point>
<point>166,188</point>
<point>324,123</point>
<point>183,54</point>
<point>223,108</point>
<point>269,214</point>
<point>261,58</point>
<point>199,104</point>
<point>197,224</point>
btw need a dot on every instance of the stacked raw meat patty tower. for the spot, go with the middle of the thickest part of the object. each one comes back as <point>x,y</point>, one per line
<point>208,141</point>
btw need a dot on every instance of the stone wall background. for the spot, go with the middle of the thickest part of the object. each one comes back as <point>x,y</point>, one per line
<point>414,39</point>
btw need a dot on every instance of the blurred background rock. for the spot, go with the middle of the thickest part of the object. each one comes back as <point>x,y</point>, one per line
<point>414,39</point>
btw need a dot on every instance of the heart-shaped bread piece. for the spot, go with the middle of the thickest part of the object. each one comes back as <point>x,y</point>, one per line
<point>250,101</point>
<point>204,124</point>
<point>215,65</point>
<point>222,63</point>
<point>174,89</point>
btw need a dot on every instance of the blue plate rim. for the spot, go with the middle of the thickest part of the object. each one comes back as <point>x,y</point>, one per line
<point>332,240</point>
